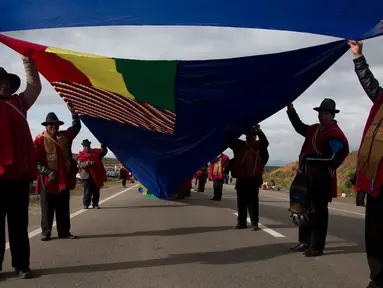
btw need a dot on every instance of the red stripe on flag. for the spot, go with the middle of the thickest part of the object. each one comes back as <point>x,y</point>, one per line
<point>21,46</point>
<point>56,69</point>
<point>50,65</point>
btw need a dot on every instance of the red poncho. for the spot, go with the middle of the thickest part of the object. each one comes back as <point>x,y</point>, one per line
<point>187,185</point>
<point>331,130</point>
<point>225,159</point>
<point>62,174</point>
<point>17,158</point>
<point>363,183</point>
<point>97,171</point>
<point>125,172</point>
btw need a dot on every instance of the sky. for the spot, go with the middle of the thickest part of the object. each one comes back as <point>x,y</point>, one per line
<point>193,43</point>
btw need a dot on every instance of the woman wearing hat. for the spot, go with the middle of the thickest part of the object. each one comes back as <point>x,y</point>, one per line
<point>323,151</point>
<point>17,162</point>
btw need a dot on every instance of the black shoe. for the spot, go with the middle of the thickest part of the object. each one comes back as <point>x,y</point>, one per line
<point>24,273</point>
<point>96,207</point>
<point>241,226</point>
<point>254,227</point>
<point>300,247</point>
<point>373,285</point>
<point>313,253</point>
<point>68,236</point>
<point>45,238</point>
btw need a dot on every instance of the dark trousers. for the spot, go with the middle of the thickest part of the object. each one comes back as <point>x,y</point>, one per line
<point>374,238</point>
<point>248,200</point>
<point>52,203</point>
<point>218,186</point>
<point>91,192</point>
<point>14,206</point>
<point>315,235</point>
<point>360,198</point>
<point>124,181</point>
<point>201,185</point>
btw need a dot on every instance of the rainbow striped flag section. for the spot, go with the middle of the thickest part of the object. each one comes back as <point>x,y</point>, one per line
<point>165,119</point>
<point>144,191</point>
<point>135,92</point>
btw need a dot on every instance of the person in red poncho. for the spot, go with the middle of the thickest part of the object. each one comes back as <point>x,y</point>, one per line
<point>92,172</point>
<point>323,151</point>
<point>217,169</point>
<point>17,162</point>
<point>201,176</point>
<point>250,158</point>
<point>124,175</point>
<point>369,171</point>
<point>53,149</point>
<point>185,189</point>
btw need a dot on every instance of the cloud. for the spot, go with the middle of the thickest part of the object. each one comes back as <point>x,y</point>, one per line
<point>145,42</point>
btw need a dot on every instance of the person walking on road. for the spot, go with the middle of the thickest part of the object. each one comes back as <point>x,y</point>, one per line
<point>56,177</point>
<point>323,151</point>
<point>92,172</point>
<point>217,175</point>
<point>202,177</point>
<point>124,175</point>
<point>369,171</point>
<point>17,163</point>
<point>250,157</point>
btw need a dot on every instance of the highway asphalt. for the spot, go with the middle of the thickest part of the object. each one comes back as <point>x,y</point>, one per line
<point>134,241</point>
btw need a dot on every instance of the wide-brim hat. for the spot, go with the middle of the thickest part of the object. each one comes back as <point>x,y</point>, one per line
<point>14,80</point>
<point>52,119</point>
<point>86,142</point>
<point>327,105</point>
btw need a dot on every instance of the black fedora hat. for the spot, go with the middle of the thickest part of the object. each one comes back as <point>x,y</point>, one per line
<point>52,119</point>
<point>86,142</point>
<point>14,80</point>
<point>327,105</point>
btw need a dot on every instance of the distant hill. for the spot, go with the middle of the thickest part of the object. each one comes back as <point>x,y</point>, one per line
<point>271,168</point>
<point>283,176</point>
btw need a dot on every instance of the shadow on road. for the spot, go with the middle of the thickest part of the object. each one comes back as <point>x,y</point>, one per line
<point>168,232</point>
<point>343,227</point>
<point>234,256</point>
<point>143,206</point>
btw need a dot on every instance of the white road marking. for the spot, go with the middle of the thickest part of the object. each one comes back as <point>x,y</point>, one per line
<point>287,199</point>
<point>267,230</point>
<point>331,208</point>
<point>79,212</point>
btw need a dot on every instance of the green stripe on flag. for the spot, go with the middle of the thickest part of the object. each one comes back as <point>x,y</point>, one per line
<point>150,81</point>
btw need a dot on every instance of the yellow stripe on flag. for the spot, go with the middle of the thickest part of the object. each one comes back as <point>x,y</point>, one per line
<point>100,70</point>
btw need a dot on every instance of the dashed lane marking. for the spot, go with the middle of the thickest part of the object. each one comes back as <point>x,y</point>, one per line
<point>266,229</point>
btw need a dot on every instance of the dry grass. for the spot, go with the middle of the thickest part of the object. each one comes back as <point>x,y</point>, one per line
<point>78,191</point>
